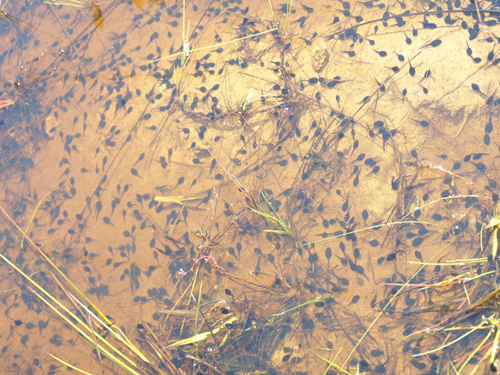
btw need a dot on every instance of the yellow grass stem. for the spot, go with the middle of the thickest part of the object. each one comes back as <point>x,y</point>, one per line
<point>69,365</point>
<point>475,351</point>
<point>451,342</point>
<point>75,327</point>
<point>42,253</point>
<point>61,306</point>
<point>332,363</point>
<point>87,338</point>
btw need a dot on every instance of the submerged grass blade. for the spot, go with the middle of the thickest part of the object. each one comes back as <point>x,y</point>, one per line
<point>52,264</point>
<point>193,283</point>
<point>32,217</point>
<point>271,218</point>
<point>233,38</point>
<point>176,199</point>
<point>451,342</point>
<point>317,299</point>
<point>124,340</point>
<point>375,227</point>
<point>104,325</point>
<point>69,3</point>
<point>201,336</point>
<point>64,29</point>
<point>494,248</point>
<point>212,46</point>
<point>69,365</point>
<point>332,363</point>
<point>494,349</point>
<point>289,7</point>
<point>471,355</point>
<point>399,291</point>
<point>87,338</point>
<point>73,316</point>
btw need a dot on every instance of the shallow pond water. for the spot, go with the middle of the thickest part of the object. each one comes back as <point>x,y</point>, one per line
<point>280,185</point>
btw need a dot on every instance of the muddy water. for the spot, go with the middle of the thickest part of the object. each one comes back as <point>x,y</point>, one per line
<point>137,138</point>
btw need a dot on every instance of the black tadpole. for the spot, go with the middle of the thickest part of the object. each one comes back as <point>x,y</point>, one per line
<point>134,172</point>
<point>468,50</point>
<point>408,40</point>
<point>381,53</point>
<point>434,43</point>
<point>475,87</point>
<point>489,127</point>
<point>422,123</point>
<point>412,70</point>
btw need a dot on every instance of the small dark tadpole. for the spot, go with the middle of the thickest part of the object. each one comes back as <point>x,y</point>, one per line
<point>429,25</point>
<point>423,123</point>
<point>412,70</point>
<point>491,55</point>
<point>434,43</point>
<point>134,172</point>
<point>449,21</point>
<point>163,162</point>
<point>381,53</point>
<point>469,50</point>
<point>408,40</point>
<point>489,126</point>
<point>475,87</point>
<point>395,183</point>
<point>141,157</point>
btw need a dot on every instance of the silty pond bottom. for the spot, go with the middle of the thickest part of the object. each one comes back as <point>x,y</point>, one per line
<point>242,187</point>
